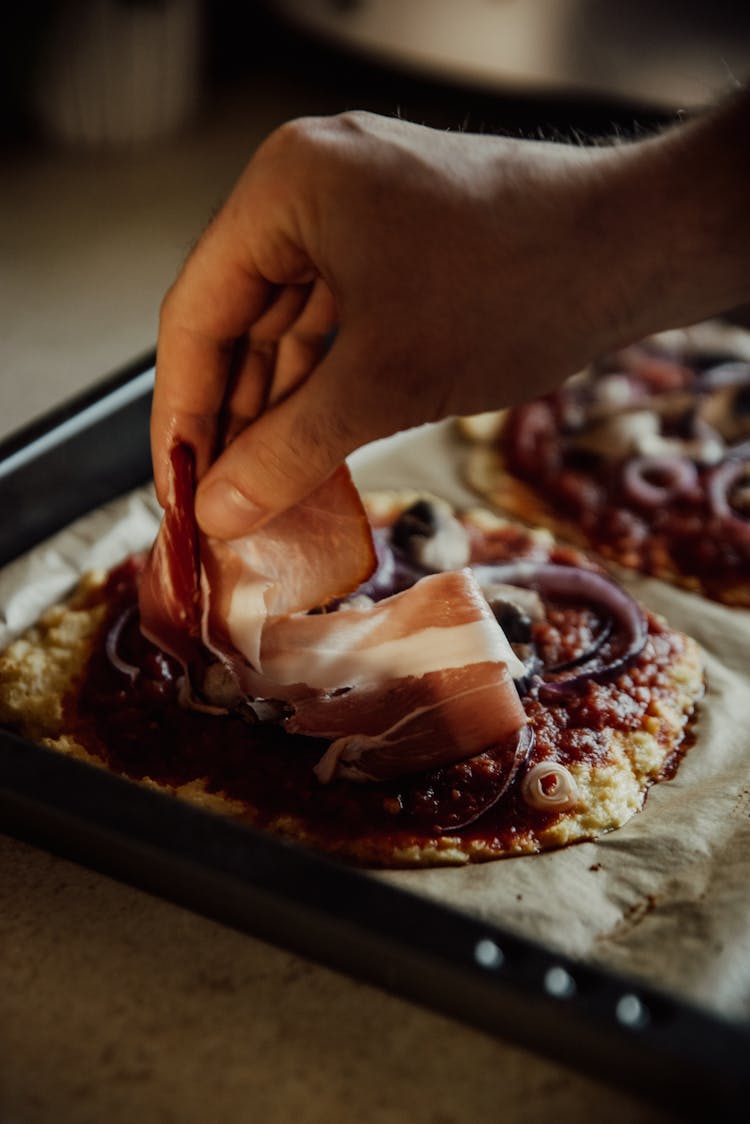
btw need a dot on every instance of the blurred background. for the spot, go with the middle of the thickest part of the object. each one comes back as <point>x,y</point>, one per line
<point>125,122</point>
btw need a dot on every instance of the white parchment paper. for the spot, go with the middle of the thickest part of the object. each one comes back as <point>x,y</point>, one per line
<point>666,898</point>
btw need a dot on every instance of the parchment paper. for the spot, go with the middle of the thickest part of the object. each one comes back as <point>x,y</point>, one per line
<point>664,899</point>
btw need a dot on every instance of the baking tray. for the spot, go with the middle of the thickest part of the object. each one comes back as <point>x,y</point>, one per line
<point>605,1025</point>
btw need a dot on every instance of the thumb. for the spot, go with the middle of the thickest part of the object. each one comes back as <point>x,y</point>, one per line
<point>280,458</point>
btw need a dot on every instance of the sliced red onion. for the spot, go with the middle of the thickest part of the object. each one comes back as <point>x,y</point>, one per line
<point>719,484</point>
<point>740,451</point>
<point>659,372</point>
<point>393,572</point>
<point>112,643</point>
<point>550,788</point>
<point>678,473</point>
<point>532,424</point>
<point>732,373</point>
<point>585,586</point>
<point>471,807</point>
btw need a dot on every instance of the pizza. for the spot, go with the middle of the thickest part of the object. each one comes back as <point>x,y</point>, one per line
<point>643,458</point>
<point>530,703</point>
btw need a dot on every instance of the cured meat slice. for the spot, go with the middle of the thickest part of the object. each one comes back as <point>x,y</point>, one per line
<point>419,680</point>
<point>317,551</point>
<point>412,724</point>
<point>169,590</point>
<point>306,557</point>
<point>443,621</point>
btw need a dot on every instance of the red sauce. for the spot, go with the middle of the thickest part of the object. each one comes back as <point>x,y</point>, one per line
<point>140,730</point>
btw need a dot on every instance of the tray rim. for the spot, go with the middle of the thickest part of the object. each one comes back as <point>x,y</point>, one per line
<point>667,1050</point>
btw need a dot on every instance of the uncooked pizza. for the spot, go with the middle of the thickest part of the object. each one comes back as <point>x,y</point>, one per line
<point>643,458</point>
<point>396,684</point>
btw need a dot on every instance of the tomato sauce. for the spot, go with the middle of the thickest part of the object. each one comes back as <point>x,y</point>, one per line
<point>139,728</point>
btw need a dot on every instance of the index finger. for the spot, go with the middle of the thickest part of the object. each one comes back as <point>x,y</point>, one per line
<point>216,298</point>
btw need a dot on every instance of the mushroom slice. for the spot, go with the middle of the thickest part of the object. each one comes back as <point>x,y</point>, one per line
<point>429,534</point>
<point>499,595</point>
<point>727,410</point>
<point>619,435</point>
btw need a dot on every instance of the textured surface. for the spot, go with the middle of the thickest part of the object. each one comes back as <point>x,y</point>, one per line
<point>114,1005</point>
<point>117,1006</point>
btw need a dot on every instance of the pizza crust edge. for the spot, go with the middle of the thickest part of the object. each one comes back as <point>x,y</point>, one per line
<point>39,667</point>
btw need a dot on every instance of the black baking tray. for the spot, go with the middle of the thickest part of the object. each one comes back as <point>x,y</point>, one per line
<point>615,1029</point>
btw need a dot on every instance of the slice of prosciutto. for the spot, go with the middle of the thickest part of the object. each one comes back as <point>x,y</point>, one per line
<point>419,680</point>
<point>169,591</point>
<point>412,724</point>
<point>303,559</point>
<point>416,681</point>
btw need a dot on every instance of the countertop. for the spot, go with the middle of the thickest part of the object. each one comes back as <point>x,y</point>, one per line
<point>115,1005</point>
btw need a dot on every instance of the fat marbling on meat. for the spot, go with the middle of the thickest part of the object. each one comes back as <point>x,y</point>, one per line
<point>416,681</point>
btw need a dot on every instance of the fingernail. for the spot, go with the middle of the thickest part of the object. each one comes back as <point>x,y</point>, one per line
<point>223,511</point>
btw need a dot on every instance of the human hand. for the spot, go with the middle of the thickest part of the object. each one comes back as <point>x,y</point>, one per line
<point>462,273</point>
<point>440,257</point>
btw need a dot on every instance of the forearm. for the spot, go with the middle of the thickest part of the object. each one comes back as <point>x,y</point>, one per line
<point>465,273</point>
<point>596,246</point>
<point>679,209</point>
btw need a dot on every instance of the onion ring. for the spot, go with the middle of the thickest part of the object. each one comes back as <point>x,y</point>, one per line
<point>680,475</point>
<point>719,483</point>
<point>393,572</point>
<point>585,585</point>
<point>113,639</point>
<point>463,817</point>
<point>559,795</point>
<point>533,424</point>
<point>740,451</point>
<point>735,372</point>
